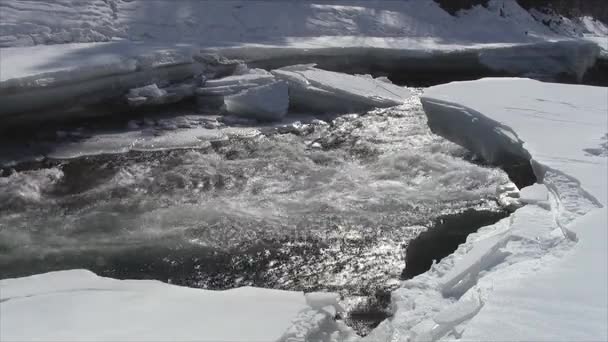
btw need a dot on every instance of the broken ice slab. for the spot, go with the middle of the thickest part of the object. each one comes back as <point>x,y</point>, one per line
<point>257,79</point>
<point>327,91</point>
<point>534,194</point>
<point>153,95</point>
<point>485,254</point>
<point>213,93</point>
<point>266,102</point>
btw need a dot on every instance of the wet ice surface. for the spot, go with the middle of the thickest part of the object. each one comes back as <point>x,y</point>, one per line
<point>323,205</point>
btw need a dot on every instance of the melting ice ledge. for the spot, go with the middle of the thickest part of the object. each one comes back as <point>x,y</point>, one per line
<point>537,275</point>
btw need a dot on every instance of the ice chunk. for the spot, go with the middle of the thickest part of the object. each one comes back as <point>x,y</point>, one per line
<point>326,91</point>
<point>459,312</point>
<point>212,95</point>
<point>508,196</point>
<point>576,57</point>
<point>266,102</point>
<point>153,95</point>
<point>319,300</point>
<point>483,255</point>
<point>163,58</point>
<point>257,79</point>
<point>534,193</point>
<point>223,90</point>
<point>151,90</point>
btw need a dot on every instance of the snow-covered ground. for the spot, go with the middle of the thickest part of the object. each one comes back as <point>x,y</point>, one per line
<point>77,305</point>
<point>538,275</point>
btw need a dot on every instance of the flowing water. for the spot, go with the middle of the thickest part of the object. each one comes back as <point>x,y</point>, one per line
<point>328,205</point>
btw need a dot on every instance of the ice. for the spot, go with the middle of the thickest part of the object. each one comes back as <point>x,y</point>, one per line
<point>34,308</point>
<point>253,78</point>
<point>484,254</point>
<point>320,300</point>
<point>459,312</point>
<point>577,56</point>
<point>326,91</point>
<point>265,102</point>
<point>214,92</point>
<point>508,196</point>
<point>153,95</point>
<point>151,139</point>
<point>149,94</point>
<point>446,320</point>
<point>151,90</point>
<point>534,194</point>
<point>224,90</point>
<point>31,86</point>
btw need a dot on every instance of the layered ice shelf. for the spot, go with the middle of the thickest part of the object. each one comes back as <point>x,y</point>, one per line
<point>540,274</point>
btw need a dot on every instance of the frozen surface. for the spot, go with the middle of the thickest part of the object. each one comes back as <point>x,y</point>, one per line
<point>540,273</point>
<point>35,308</point>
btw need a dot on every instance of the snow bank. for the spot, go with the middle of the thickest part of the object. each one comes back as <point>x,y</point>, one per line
<point>537,275</point>
<point>34,308</point>
<point>325,91</point>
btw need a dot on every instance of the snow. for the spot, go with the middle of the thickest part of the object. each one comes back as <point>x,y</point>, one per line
<point>265,102</point>
<point>539,274</point>
<point>35,308</point>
